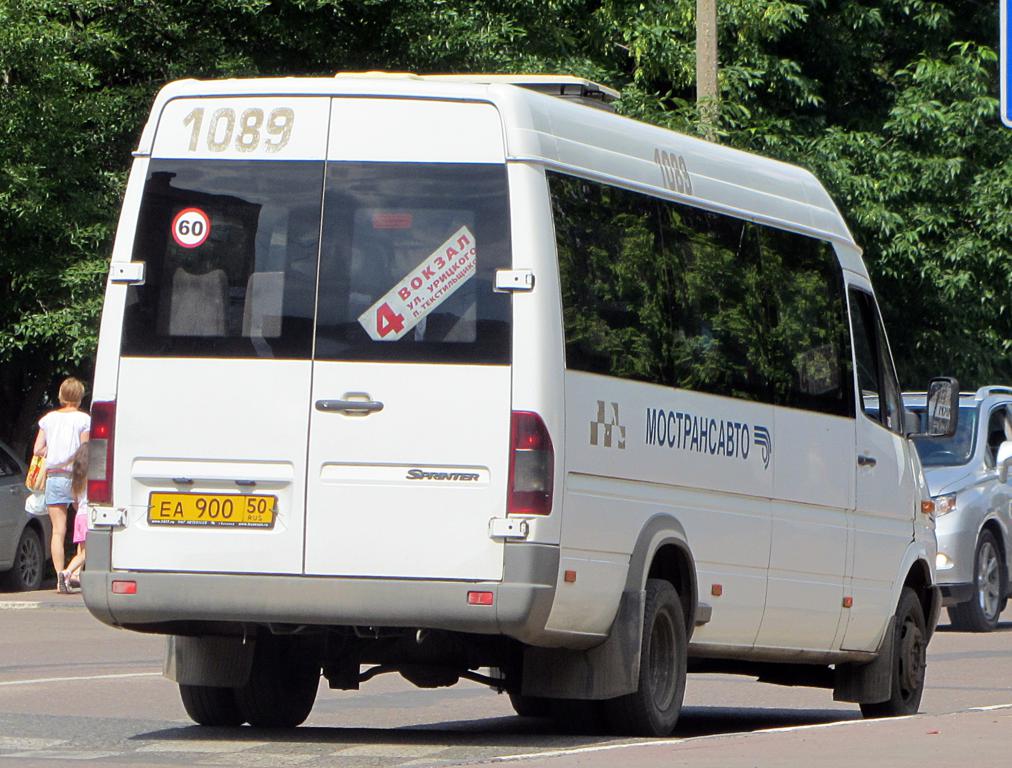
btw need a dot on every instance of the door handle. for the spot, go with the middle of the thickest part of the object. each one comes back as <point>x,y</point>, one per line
<point>349,407</point>
<point>866,461</point>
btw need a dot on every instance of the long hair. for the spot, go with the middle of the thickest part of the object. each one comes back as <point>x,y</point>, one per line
<point>79,473</point>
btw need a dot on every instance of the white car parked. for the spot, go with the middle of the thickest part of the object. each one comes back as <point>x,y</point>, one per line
<point>968,475</point>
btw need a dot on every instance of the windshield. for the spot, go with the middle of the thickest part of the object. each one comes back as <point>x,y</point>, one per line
<point>947,451</point>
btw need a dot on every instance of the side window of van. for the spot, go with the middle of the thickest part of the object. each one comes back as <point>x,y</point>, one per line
<point>806,341</point>
<point>230,249</point>
<point>876,378</point>
<point>670,294</point>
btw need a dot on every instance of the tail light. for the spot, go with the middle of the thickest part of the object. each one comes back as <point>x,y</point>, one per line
<point>103,423</point>
<point>532,466</point>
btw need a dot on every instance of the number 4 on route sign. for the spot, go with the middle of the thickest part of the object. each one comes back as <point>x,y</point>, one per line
<point>1005,73</point>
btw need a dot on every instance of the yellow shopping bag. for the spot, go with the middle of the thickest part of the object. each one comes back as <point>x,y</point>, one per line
<point>35,481</point>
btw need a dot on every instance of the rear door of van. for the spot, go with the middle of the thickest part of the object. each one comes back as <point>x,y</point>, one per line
<point>314,373</point>
<point>409,416</point>
<point>216,349</point>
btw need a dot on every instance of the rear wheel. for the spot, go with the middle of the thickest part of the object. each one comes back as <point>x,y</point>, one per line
<point>910,645</point>
<point>29,561</point>
<point>653,709</point>
<point>282,686</point>
<point>211,705</point>
<point>981,613</point>
<point>529,706</point>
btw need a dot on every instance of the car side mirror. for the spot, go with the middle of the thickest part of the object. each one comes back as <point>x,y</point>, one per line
<point>942,409</point>
<point>1004,460</point>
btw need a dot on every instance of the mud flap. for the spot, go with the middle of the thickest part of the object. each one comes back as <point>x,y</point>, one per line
<point>603,672</point>
<point>219,661</point>
<point>868,683</point>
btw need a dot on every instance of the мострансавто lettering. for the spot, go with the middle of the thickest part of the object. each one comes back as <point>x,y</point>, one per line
<point>701,434</point>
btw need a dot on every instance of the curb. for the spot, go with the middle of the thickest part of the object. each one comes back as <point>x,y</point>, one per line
<point>22,605</point>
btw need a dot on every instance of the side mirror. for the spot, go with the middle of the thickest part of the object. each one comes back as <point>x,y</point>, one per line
<point>1004,460</point>
<point>942,410</point>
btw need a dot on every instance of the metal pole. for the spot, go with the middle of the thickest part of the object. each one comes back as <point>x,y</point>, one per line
<point>707,96</point>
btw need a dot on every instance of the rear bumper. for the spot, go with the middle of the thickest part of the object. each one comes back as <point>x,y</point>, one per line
<point>521,604</point>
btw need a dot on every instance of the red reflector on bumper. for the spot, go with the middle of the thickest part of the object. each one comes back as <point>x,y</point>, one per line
<point>479,598</point>
<point>124,587</point>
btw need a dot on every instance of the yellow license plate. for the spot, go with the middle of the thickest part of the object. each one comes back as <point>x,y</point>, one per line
<point>212,510</point>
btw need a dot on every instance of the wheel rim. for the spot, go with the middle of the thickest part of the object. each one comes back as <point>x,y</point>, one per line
<point>662,662</point>
<point>988,580</point>
<point>29,559</point>
<point>911,651</point>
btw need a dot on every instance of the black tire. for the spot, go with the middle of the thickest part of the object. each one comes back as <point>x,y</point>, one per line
<point>529,706</point>
<point>282,687</point>
<point>981,613</point>
<point>910,646</point>
<point>29,563</point>
<point>210,705</point>
<point>653,709</point>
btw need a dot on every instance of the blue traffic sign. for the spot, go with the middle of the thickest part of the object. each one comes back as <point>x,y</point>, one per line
<point>1005,63</point>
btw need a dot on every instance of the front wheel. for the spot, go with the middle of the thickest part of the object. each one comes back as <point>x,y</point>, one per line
<point>981,613</point>
<point>653,708</point>
<point>910,647</point>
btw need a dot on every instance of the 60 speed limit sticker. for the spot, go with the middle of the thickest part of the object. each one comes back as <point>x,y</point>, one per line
<point>190,227</point>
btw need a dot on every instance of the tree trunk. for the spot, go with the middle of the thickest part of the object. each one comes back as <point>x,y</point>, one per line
<point>707,95</point>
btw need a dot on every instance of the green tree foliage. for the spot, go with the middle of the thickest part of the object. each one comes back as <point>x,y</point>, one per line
<point>892,103</point>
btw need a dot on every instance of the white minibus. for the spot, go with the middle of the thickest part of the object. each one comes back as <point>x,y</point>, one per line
<point>471,377</point>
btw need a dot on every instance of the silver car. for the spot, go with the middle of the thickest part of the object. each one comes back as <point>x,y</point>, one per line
<point>24,538</point>
<point>973,506</point>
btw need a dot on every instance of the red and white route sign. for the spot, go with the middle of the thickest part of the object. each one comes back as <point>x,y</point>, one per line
<point>191,227</point>
<point>423,289</point>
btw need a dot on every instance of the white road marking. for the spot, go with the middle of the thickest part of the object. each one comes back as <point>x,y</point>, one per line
<point>393,751</point>
<point>990,709</point>
<point>586,750</point>
<point>24,743</point>
<point>200,745</point>
<point>668,742</point>
<point>68,755</point>
<point>44,680</point>
<point>17,605</point>
<point>834,724</point>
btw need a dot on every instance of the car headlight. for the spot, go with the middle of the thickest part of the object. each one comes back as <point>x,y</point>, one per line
<point>944,504</point>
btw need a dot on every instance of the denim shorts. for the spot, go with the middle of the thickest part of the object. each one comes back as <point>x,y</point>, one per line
<point>58,490</point>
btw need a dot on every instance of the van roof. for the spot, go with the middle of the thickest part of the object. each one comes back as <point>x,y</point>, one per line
<point>564,135</point>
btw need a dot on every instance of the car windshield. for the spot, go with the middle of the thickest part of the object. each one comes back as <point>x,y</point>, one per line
<point>948,451</point>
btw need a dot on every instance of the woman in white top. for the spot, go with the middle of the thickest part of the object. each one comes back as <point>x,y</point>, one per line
<point>61,433</point>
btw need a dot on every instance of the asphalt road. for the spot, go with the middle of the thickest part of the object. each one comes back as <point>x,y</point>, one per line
<point>73,690</point>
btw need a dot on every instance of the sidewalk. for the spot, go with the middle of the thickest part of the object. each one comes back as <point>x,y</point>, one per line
<point>44,597</point>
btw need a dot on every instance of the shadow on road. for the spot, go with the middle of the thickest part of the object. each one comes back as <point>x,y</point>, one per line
<point>514,733</point>
<point>1003,626</point>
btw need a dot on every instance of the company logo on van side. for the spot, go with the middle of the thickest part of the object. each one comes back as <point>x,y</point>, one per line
<point>460,477</point>
<point>704,434</point>
<point>607,426</point>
